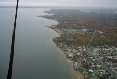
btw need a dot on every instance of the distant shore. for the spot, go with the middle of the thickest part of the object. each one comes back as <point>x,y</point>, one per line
<point>76,74</point>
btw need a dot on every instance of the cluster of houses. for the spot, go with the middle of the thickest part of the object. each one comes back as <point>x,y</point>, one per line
<point>91,65</point>
<point>98,63</point>
<point>109,57</point>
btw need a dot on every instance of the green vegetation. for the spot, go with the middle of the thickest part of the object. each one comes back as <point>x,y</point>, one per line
<point>90,76</point>
<point>74,59</point>
<point>76,29</point>
<point>76,19</point>
<point>81,70</point>
<point>82,40</point>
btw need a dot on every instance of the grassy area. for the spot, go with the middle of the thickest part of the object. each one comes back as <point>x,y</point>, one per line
<point>74,59</point>
<point>90,76</point>
<point>81,70</point>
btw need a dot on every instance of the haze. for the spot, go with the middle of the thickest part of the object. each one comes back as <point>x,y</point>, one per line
<point>63,3</point>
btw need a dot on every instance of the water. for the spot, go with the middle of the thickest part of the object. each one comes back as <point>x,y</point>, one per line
<point>35,55</point>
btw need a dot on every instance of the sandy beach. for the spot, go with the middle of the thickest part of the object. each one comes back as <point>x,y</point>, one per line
<point>76,74</point>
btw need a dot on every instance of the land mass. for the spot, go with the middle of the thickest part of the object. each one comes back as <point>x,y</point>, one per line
<point>89,39</point>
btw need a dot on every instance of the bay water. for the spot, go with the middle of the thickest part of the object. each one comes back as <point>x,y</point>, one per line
<point>36,57</point>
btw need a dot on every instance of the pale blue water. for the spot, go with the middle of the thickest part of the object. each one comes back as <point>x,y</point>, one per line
<point>35,56</point>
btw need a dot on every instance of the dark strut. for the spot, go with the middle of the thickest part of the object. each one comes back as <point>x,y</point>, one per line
<point>9,75</point>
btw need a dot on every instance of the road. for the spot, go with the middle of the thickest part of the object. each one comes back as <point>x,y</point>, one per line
<point>105,66</point>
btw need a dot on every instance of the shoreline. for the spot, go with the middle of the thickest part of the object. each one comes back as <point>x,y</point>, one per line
<point>57,34</point>
<point>74,35</point>
<point>76,74</point>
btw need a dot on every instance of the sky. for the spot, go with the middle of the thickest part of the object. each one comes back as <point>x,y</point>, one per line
<point>63,3</point>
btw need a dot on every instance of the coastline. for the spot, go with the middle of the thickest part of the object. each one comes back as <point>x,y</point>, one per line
<point>76,74</point>
<point>75,36</point>
<point>57,34</point>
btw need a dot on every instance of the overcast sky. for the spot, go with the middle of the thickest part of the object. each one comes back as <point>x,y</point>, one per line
<point>65,3</point>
